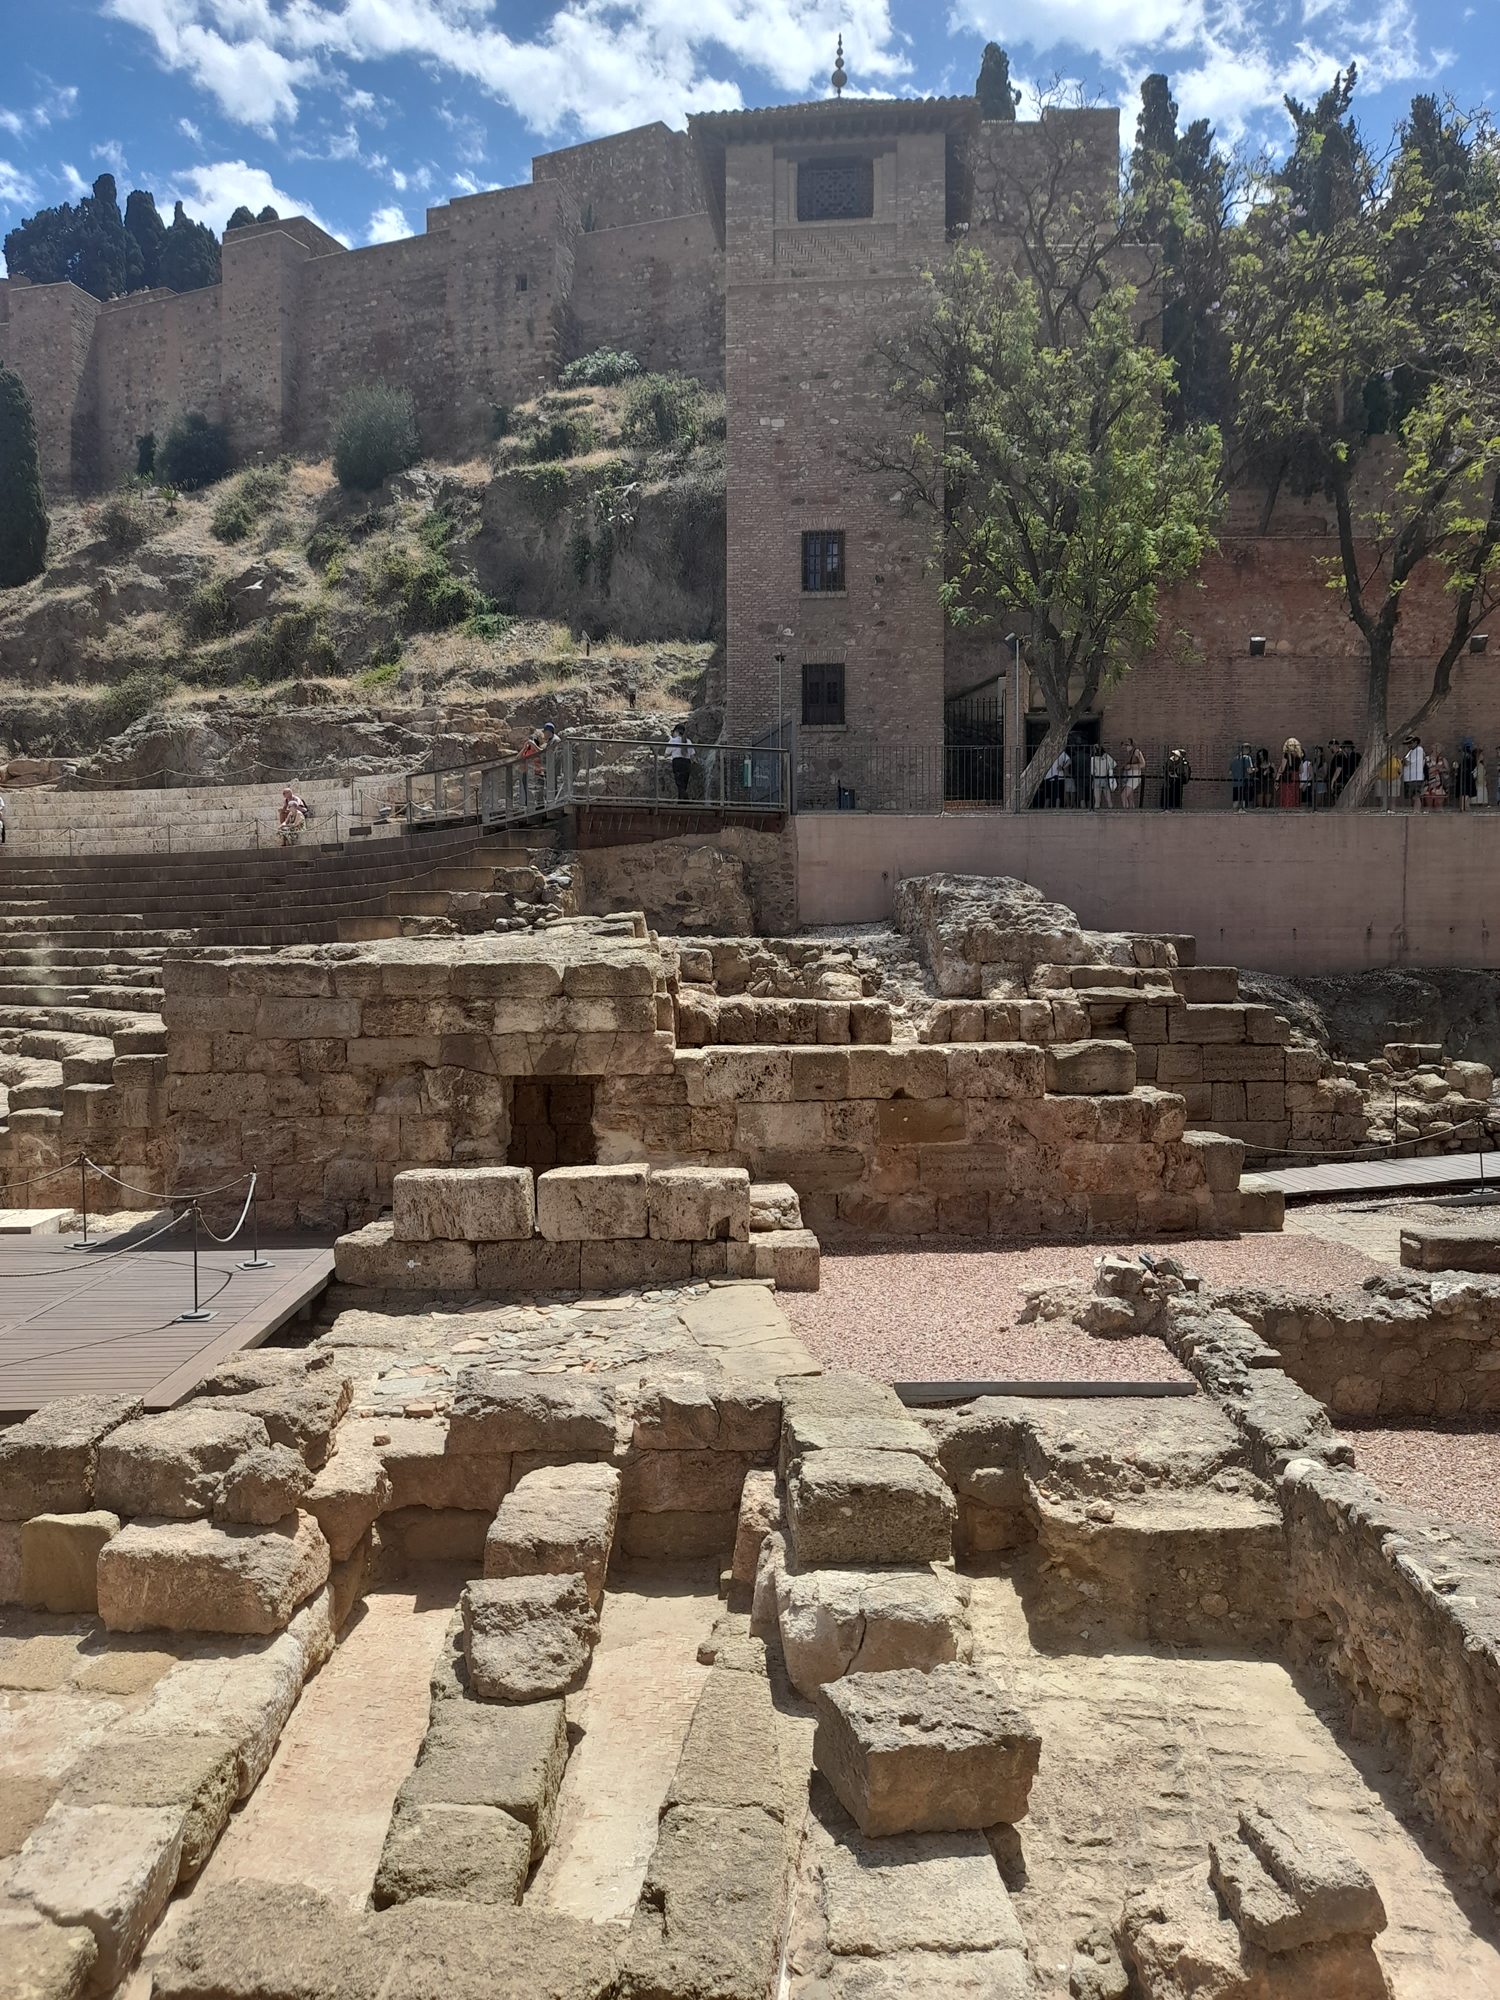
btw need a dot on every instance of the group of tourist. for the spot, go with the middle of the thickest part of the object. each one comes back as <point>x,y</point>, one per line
<point>1093,775</point>
<point>1295,778</point>
<point>1309,778</point>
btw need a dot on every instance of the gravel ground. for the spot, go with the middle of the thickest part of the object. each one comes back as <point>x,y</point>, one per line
<point>904,1313</point>
<point>1454,1472</point>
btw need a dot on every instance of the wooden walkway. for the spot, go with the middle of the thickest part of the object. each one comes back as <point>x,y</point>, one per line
<point>1377,1177</point>
<point>104,1322</point>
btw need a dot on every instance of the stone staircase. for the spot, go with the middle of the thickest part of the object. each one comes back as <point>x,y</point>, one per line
<point>82,943</point>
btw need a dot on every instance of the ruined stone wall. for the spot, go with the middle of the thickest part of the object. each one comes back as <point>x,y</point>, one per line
<point>732,881</point>
<point>630,177</point>
<point>655,289</point>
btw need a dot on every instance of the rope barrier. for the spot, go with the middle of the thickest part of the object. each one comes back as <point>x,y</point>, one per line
<point>239,1225</point>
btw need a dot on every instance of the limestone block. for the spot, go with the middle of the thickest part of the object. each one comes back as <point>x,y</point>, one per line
<point>495,1411</point>
<point>174,1464</point>
<point>1264,1024</point>
<point>197,1776</point>
<point>731,1757</point>
<point>1177,1943</point>
<point>1260,1204</point>
<point>923,1892</point>
<point>916,1072</point>
<point>1091,1069</point>
<point>738,1076</point>
<point>423,1472</point>
<point>835,1622</point>
<point>833,1021</point>
<point>1289,1880</point>
<point>269,1482</point>
<point>1470,1079</point>
<point>677,1537</point>
<point>348,1493</point>
<point>373,1257</point>
<point>820,1073</point>
<point>59,1555</point>
<point>1243,1063</point>
<point>825,1427</point>
<point>675,1412</point>
<point>10,1561</point>
<point>47,1464</point>
<point>300,1414</point>
<point>557,1521</point>
<point>631,1262</point>
<point>464,1204</point>
<point>43,1960</point>
<point>934,1752</point>
<point>537,1266</point>
<point>760,1514</point>
<point>791,1256</point>
<point>699,1204</point>
<point>868,1506</point>
<point>1212,1023</point>
<point>774,1205</point>
<point>509,1758</point>
<point>711,1909</point>
<point>528,1638</point>
<point>869,1021</point>
<point>1207,985</point>
<point>459,1854</point>
<point>592,1204</point>
<point>436,1534</point>
<point>197,1576</point>
<point>110,1868</point>
<point>1222,1159</point>
<point>996,1069</point>
<point>689,1482</point>
<point>921,1121</point>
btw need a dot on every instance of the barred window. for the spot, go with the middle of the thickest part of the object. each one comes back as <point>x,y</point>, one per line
<point>835,190</point>
<point>823,695</point>
<point>823,559</point>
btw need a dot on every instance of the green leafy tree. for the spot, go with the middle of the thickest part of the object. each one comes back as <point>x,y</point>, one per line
<point>190,254</point>
<point>375,434</point>
<point>1363,312</point>
<point>997,99</point>
<point>23,510</point>
<point>1065,502</point>
<point>193,454</point>
<point>148,232</point>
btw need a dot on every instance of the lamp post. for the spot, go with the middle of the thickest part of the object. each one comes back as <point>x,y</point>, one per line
<point>780,659</point>
<point>1013,640</point>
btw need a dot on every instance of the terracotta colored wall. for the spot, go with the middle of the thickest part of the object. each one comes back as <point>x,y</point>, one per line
<point>1275,892</point>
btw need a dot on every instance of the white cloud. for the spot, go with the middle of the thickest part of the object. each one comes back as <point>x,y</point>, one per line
<point>213,193</point>
<point>17,190</point>
<point>596,65</point>
<point>398,180</point>
<point>113,155</point>
<point>190,131</point>
<point>387,225</point>
<point>73,181</point>
<point>55,101</point>
<point>12,122</point>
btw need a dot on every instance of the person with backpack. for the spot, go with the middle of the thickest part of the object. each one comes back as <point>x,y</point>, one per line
<point>294,815</point>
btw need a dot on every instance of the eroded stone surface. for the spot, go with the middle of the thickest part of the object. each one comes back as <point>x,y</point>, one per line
<point>497,1411</point>
<point>463,1204</point>
<point>59,1559</point>
<point>711,1910</point>
<point>47,1464</point>
<point>558,1520</point>
<point>198,1576</point>
<point>1290,1881</point>
<point>173,1466</point>
<point>528,1638</point>
<point>476,1753</point>
<point>460,1854</point>
<point>868,1506</point>
<point>868,1621</point>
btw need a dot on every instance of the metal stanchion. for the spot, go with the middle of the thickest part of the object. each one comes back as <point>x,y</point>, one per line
<point>255,1262</point>
<point>83,1203</point>
<point>198,1312</point>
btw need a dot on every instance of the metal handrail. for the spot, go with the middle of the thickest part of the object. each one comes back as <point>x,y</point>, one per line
<point>601,770</point>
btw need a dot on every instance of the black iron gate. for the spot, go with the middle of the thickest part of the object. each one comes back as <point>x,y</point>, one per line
<point>974,748</point>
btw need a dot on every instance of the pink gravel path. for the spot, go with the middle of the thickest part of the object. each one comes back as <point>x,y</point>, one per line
<point>904,1313</point>
<point>1451,1472</point>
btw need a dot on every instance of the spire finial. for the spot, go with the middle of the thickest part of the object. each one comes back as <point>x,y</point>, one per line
<point>839,78</point>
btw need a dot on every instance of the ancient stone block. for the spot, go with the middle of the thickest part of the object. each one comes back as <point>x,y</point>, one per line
<point>373,1257</point>
<point>924,1892</point>
<point>996,1069</point>
<point>196,1576</point>
<point>869,1021</point>
<point>349,1492</point>
<point>301,1414</point>
<point>1209,1023</point>
<point>1177,1943</point>
<point>826,1427</point>
<point>424,1473</point>
<point>732,1756</point>
<point>59,1557</point>
<point>458,1854</point>
<point>109,1868</point>
<point>1220,1158</point>
<point>693,1482</point>
<point>198,1776</point>
<point>760,1513</point>
<point>1091,1069</point>
<point>592,1204</point>
<point>559,1521</point>
<point>1289,1880</point>
<point>494,1411</point>
<point>269,1481</point>
<point>791,1256</point>
<point>1249,1063</point>
<point>868,1506</point>
<point>699,1204</point>
<point>47,1463</point>
<point>835,1622</point>
<point>632,1262</point>
<point>922,1121</point>
<point>774,1205</point>
<point>44,1960</point>
<point>436,1534</point>
<point>528,1638</point>
<point>675,1412</point>
<point>677,1537</point>
<point>711,1910</point>
<point>476,1753</point>
<point>736,1076</point>
<point>537,1266</point>
<point>934,1752</point>
<point>464,1204</point>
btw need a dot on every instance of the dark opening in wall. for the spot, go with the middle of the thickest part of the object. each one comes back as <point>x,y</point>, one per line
<point>552,1123</point>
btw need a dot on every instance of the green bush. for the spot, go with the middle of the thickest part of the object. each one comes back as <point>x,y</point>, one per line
<point>126,519</point>
<point>600,370</point>
<point>128,700</point>
<point>208,613</point>
<point>23,511</point>
<point>375,434</point>
<point>253,494</point>
<point>291,644</point>
<point>145,455</point>
<point>546,490</point>
<point>564,437</point>
<point>662,410</point>
<point>194,453</point>
<point>491,623</point>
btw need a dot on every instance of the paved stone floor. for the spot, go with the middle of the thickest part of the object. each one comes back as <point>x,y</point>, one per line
<point>1145,1749</point>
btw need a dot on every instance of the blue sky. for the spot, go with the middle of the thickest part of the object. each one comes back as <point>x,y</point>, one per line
<point>361,113</point>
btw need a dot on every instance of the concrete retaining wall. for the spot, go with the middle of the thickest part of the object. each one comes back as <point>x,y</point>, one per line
<point>1280,892</point>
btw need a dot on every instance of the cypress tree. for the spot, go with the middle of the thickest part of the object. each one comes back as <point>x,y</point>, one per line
<point>996,97</point>
<point>149,233</point>
<point>190,254</point>
<point>241,219</point>
<point>23,512</point>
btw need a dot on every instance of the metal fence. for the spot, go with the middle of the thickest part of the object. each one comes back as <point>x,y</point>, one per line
<point>603,771</point>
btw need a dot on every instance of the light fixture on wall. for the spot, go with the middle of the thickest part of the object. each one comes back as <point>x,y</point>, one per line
<point>1479,642</point>
<point>1257,647</point>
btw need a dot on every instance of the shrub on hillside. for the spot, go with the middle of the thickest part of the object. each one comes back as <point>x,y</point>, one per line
<point>375,434</point>
<point>23,510</point>
<point>194,453</point>
<point>208,613</point>
<point>127,518</point>
<point>663,410</point>
<point>129,699</point>
<point>600,370</point>
<point>564,437</point>
<point>253,494</point>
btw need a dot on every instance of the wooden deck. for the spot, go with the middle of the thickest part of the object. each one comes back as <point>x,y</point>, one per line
<point>104,1322</point>
<point>1377,1177</point>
